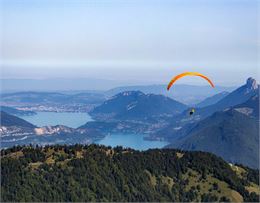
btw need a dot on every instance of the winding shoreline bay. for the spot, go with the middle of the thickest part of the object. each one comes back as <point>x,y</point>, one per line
<point>51,129</point>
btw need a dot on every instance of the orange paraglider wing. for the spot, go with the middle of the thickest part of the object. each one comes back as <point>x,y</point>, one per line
<point>188,73</point>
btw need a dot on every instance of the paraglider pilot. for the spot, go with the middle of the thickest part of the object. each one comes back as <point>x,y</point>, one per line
<point>192,111</point>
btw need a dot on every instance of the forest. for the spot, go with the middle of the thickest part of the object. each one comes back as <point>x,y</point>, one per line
<point>80,173</point>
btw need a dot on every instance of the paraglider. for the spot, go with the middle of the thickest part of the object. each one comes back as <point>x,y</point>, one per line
<point>192,111</point>
<point>190,74</point>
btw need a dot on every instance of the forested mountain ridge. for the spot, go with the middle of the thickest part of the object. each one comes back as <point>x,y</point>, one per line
<point>97,173</point>
<point>238,96</point>
<point>232,134</point>
<point>182,124</point>
<point>133,112</point>
<point>135,105</point>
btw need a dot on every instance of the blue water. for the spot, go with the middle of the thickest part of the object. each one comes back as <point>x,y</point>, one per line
<point>73,120</point>
<point>135,141</point>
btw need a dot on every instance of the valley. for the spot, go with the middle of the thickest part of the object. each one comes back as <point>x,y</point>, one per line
<point>222,124</point>
<point>129,101</point>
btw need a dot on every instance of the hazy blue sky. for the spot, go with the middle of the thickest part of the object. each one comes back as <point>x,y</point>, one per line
<point>130,40</point>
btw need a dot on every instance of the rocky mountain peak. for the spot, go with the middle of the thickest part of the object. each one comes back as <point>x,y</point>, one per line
<point>251,83</point>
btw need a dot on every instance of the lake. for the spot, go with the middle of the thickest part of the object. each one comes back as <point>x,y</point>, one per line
<point>74,120</point>
<point>135,141</point>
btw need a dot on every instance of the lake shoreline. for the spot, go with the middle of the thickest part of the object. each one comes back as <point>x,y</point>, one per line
<point>138,141</point>
<point>69,119</point>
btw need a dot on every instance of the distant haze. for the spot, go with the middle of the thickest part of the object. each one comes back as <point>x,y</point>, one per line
<point>127,42</point>
<point>58,84</point>
<point>81,85</point>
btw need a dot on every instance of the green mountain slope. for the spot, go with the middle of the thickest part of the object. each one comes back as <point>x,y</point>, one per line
<point>229,134</point>
<point>95,173</point>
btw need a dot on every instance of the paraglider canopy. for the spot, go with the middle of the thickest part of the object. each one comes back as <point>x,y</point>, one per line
<point>190,74</point>
<point>192,111</point>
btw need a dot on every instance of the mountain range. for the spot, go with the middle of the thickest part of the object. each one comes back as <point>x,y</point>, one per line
<point>135,105</point>
<point>51,101</point>
<point>231,130</point>
<point>31,97</point>
<point>230,134</point>
<point>227,125</point>
<point>187,94</point>
<point>212,100</point>
<point>238,96</point>
<point>133,112</point>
